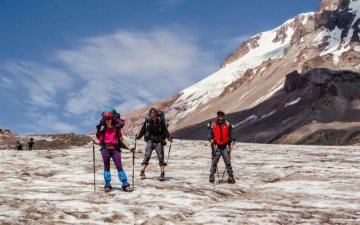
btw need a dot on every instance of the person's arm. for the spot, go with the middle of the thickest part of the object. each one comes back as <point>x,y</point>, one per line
<point>211,133</point>
<point>123,141</point>
<point>99,140</point>
<point>142,132</point>
<point>231,134</point>
<point>165,131</point>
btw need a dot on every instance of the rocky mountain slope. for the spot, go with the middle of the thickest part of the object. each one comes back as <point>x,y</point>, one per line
<point>321,98</point>
<point>251,75</point>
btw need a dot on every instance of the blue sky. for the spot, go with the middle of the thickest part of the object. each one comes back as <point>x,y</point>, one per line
<point>62,62</point>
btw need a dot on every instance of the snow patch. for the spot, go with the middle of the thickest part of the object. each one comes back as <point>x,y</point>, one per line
<point>267,115</point>
<point>275,184</point>
<point>293,102</point>
<point>246,93</point>
<point>278,86</point>
<point>305,17</point>
<point>252,117</point>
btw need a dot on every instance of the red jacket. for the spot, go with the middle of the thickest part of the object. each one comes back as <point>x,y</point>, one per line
<point>221,133</point>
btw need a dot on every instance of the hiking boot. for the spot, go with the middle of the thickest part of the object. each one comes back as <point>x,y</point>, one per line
<point>212,178</point>
<point>231,179</point>
<point>127,189</point>
<point>107,189</point>
<point>142,175</point>
<point>162,176</point>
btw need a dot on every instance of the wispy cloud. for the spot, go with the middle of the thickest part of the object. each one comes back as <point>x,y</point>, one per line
<point>126,68</point>
<point>49,122</point>
<point>42,83</point>
<point>133,65</point>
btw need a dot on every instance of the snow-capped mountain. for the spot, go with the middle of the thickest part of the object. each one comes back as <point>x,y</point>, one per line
<point>256,71</point>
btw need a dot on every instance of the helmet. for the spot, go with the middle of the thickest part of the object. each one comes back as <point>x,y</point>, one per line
<point>107,115</point>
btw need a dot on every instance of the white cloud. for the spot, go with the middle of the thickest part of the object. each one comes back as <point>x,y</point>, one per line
<point>132,66</point>
<point>126,68</point>
<point>6,82</point>
<point>52,122</point>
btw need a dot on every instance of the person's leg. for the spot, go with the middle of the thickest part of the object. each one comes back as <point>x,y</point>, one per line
<point>107,175</point>
<point>159,148</point>
<point>116,156</point>
<point>226,157</point>
<point>213,168</point>
<point>147,156</point>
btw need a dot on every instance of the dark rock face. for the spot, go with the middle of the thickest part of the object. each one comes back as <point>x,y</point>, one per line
<point>340,18</point>
<point>356,27</point>
<point>320,95</point>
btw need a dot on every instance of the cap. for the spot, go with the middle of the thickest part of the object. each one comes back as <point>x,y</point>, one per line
<point>220,113</point>
<point>107,115</point>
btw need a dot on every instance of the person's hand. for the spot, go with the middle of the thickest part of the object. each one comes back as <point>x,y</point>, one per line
<point>132,149</point>
<point>233,143</point>
<point>170,139</point>
<point>95,142</point>
<point>90,144</point>
<point>212,141</point>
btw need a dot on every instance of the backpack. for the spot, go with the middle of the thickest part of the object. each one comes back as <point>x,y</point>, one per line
<point>161,119</point>
<point>119,123</point>
<point>160,115</point>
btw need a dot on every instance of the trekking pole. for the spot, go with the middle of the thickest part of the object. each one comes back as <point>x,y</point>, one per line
<point>168,153</point>
<point>94,166</point>
<point>213,155</point>
<point>134,164</point>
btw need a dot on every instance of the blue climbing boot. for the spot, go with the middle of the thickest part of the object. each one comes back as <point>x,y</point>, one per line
<point>125,184</point>
<point>107,179</point>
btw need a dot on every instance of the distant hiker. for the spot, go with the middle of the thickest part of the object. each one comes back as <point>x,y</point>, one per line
<point>31,142</point>
<point>155,132</point>
<point>110,139</point>
<point>221,139</point>
<point>19,145</point>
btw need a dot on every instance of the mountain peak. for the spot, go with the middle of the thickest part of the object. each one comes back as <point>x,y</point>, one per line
<point>332,5</point>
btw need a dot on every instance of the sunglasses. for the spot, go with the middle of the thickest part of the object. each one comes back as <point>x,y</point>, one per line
<point>106,119</point>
